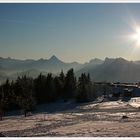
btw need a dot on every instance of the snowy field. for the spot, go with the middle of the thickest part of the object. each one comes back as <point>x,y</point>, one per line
<point>67,119</point>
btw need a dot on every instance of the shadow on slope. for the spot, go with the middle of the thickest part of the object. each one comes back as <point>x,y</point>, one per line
<point>58,106</point>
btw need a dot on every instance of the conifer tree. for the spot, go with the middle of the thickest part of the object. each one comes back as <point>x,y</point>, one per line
<point>25,98</point>
<point>84,88</point>
<point>50,88</point>
<point>61,84</point>
<point>70,84</point>
<point>40,89</point>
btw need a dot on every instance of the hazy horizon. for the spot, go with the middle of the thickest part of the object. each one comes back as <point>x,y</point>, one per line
<point>72,32</point>
<point>47,58</point>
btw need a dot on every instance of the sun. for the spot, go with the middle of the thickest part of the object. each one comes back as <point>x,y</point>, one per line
<point>132,39</point>
<point>136,36</point>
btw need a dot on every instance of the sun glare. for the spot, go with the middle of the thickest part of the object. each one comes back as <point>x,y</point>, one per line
<point>136,37</point>
<point>133,39</point>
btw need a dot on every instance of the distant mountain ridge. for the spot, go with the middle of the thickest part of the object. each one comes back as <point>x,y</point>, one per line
<point>14,67</point>
<point>110,69</point>
<point>50,65</point>
<point>115,70</point>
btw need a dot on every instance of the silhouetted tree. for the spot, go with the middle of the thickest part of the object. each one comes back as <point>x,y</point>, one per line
<point>25,98</point>
<point>40,89</point>
<point>61,85</point>
<point>7,95</point>
<point>84,88</point>
<point>70,84</point>
<point>26,91</point>
<point>50,88</point>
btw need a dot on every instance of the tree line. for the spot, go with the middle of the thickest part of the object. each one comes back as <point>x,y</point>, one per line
<point>26,92</point>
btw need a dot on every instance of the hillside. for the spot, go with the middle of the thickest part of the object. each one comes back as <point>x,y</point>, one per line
<point>94,119</point>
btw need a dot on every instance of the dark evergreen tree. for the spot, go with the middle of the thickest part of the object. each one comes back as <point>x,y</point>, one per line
<point>61,84</point>
<point>25,97</point>
<point>57,85</point>
<point>50,88</point>
<point>25,91</point>
<point>7,96</point>
<point>62,77</point>
<point>84,88</point>
<point>3,102</point>
<point>40,89</point>
<point>70,84</point>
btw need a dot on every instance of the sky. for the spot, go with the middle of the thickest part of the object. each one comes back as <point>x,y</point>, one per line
<point>72,32</point>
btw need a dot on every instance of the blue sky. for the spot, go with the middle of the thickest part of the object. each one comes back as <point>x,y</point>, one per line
<point>72,32</point>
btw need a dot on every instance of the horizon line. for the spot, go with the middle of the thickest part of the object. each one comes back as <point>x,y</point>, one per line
<point>43,58</point>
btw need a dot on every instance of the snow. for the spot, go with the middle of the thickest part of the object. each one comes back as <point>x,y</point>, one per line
<point>71,119</point>
<point>135,102</point>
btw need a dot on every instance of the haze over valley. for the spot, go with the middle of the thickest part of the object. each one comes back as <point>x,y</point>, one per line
<point>110,69</point>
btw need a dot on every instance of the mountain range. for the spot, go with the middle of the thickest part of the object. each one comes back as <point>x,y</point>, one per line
<point>110,69</point>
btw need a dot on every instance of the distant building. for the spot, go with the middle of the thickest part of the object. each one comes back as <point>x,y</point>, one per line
<point>127,92</point>
<point>136,92</point>
<point>118,89</point>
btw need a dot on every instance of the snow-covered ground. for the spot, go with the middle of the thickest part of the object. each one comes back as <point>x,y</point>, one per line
<point>135,102</point>
<point>112,118</point>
